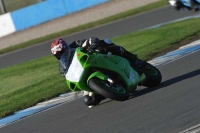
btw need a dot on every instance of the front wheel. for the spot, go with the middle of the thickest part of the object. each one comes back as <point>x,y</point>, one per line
<point>153,76</point>
<point>113,91</point>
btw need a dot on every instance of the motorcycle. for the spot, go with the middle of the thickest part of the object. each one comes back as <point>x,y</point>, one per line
<point>108,75</point>
<point>191,5</point>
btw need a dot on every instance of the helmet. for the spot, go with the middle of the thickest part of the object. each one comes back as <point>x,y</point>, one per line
<point>58,47</point>
<point>178,5</point>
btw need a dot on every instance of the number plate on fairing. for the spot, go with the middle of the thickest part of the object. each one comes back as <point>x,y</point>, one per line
<point>75,70</point>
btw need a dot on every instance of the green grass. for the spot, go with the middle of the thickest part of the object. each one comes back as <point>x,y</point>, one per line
<point>151,42</point>
<point>149,7</point>
<point>26,84</point>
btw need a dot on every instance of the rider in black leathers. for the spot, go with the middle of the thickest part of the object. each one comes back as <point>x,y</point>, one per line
<point>179,5</point>
<point>59,46</point>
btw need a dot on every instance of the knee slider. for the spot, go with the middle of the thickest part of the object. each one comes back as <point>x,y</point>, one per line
<point>87,100</point>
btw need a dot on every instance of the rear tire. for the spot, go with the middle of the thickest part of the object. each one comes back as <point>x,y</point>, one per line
<point>103,87</point>
<point>153,76</point>
<point>195,10</point>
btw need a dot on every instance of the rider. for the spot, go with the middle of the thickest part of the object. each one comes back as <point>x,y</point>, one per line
<point>179,4</point>
<point>59,46</point>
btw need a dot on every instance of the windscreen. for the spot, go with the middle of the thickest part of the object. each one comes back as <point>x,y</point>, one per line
<point>66,59</point>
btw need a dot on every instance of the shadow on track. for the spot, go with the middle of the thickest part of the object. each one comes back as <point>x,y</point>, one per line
<point>166,83</point>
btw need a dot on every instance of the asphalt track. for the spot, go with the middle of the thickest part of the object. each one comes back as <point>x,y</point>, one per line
<point>169,108</point>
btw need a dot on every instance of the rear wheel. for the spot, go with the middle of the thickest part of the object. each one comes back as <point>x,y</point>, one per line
<point>113,91</point>
<point>153,76</point>
<point>195,9</point>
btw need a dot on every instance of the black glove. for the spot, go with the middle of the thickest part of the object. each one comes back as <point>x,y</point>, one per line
<point>93,43</point>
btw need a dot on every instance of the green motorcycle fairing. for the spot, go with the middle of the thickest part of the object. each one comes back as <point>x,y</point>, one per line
<point>81,67</point>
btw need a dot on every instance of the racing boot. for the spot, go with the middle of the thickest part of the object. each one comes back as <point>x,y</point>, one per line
<point>137,64</point>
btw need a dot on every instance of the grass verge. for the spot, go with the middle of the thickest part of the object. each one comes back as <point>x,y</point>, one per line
<point>149,7</point>
<point>26,84</point>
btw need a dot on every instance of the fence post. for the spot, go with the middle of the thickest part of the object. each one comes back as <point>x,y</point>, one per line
<point>2,6</point>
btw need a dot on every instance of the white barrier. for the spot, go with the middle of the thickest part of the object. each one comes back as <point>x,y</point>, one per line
<point>6,25</point>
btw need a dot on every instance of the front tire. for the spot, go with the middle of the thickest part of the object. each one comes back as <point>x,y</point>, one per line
<point>153,76</point>
<point>113,91</point>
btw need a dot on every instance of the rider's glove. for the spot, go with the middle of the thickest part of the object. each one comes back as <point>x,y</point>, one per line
<point>91,44</point>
